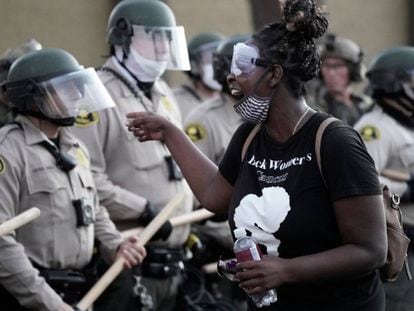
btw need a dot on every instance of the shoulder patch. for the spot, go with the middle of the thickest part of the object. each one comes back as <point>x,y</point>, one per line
<point>166,103</point>
<point>2,166</point>
<point>85,119</point>
<point>196,131</point>
<point>81,157</point>
<point>369,132</point>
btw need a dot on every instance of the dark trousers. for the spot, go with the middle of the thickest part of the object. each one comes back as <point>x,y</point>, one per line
<point>118,296</point>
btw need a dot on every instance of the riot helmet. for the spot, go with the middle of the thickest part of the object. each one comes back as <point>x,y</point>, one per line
<point>392,70</point>
<point>9,56</point>
<point>391,82</point>
<point>50,84</point>
<point>6,60</point>
<point>222,58</point>
<point>200,50</point>
<point>147,29</point>
<point>334,46</point>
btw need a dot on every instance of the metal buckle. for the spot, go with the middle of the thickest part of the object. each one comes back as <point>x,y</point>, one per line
<point>395,199</point>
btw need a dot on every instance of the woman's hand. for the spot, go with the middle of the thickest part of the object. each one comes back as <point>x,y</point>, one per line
<point>132,252</point>
<point>148,126</point>
<point>259,276</point>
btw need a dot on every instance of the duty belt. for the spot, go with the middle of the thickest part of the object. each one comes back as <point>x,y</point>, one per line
<point>162,262</point>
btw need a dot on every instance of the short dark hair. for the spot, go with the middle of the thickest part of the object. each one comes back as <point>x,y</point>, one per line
<point>290,43</point>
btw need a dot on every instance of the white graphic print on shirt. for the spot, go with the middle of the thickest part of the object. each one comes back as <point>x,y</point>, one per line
<point>263,215</point>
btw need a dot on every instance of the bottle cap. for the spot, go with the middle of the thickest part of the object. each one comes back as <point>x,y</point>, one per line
<point>239,232</point>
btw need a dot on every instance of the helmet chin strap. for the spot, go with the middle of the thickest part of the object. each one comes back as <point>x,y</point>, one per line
<point>69,121</point>
<point>400,107</point>
<point>407,87</point>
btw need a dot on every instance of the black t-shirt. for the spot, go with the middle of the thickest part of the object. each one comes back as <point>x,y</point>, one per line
<point>280,197</point>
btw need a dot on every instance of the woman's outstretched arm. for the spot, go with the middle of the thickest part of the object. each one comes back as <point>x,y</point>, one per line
<point>203,176</point>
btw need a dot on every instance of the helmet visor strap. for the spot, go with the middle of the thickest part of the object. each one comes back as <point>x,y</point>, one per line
<point>245,59</point>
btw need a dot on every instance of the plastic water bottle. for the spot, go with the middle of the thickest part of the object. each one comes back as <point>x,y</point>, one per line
<point>245,248</point>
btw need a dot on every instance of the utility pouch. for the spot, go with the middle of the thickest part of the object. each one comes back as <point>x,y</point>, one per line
<point>63,278</point>
<point>70,285</point>
<point>174,172</point>
<point>161,270</point>
<point>84,212</point>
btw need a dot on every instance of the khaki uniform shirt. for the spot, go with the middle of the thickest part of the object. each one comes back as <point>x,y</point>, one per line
<point>129,173</point>
<point>29,177</point>
<point>187,99</point>
<point>210,126</point>
<point>391,145</point>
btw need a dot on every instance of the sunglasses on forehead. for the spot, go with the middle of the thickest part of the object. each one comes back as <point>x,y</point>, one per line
<point>246,59</point>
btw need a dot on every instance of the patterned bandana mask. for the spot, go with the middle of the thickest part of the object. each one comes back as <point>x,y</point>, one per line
<point>253,108</point>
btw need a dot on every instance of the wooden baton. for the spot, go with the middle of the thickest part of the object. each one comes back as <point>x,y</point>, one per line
<point>176,221</point>
<point>19,220</point>
<point>396,175</point>
<point>118,265</point>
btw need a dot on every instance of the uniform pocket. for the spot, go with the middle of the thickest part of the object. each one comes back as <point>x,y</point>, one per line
<point>46,180</point>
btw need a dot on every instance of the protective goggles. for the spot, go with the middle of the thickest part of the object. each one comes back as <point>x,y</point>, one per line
<point>245,59</point>
<point>162,44</point>
<point>66,95</point>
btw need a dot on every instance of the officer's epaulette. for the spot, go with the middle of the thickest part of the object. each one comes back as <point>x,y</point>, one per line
<point>6,129</point>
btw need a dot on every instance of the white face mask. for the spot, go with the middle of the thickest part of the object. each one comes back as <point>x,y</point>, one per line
<point>208,78</point>
<point>146,70</point>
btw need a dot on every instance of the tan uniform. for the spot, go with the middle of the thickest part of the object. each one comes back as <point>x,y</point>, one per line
<point>127,172</point>
<point>210,126</point>
<point>29,177</point>
<point>391,145</point>
<point>187,99</point>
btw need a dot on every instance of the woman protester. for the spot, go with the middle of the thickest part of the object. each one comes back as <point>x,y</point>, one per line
<point>323,241</point>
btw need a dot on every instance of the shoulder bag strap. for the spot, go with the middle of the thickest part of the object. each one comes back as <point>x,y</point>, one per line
<point>318,141</point>
<point>249,139</point>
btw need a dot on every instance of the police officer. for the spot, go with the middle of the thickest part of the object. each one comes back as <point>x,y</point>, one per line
<point>42,165</point>
<point>135,180</point>
<point>202,85</point>
<point>388,132</point>
<point>341,66</point>
<point>6,60</point>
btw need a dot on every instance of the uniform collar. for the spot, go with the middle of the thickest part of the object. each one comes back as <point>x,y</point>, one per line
<point>35,136</point>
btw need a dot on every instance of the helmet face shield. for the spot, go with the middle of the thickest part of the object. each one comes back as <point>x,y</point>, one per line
<point>162,44</point>
<point>65,96</point>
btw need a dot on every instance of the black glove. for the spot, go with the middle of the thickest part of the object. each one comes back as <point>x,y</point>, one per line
<point>148,215</point>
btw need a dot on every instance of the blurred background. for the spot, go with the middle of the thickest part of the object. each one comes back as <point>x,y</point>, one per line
<point>79,26</point>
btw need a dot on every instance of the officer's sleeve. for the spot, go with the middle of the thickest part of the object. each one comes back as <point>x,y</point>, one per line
<point>107,234</point>
<point>17,274</point>
<point>379,141</point>
<point>121,203</point>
